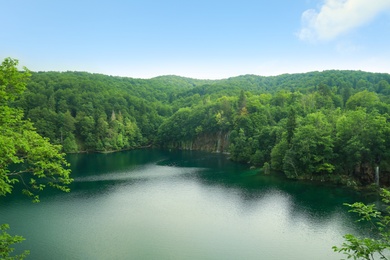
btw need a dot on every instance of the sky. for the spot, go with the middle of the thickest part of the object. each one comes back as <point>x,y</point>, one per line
<point>205,39</point>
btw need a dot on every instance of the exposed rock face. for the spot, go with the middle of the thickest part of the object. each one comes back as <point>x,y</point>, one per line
<point>216,142</point>
<point>210,142</point>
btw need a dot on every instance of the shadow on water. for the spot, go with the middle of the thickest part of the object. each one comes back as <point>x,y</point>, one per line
<point>153,191</point>
<point>321,200</point>
<point>96,172</point>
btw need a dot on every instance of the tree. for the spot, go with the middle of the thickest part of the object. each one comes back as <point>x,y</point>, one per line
<point>86,126</point>
<point>291,125</point>
<point>366,99</point>
<point>311,149</point>
<point>25,156</point>
<point>323,97</point>
<point>241,100</point>
<point>6,242</point>
<point>361,142</point>
<point>378,243</point>
<point>239,149</point>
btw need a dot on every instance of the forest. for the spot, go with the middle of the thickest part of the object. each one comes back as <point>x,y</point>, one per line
<point>326,126</point>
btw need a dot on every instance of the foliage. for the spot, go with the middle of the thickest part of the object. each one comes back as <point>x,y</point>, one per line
<point>311,149</point>
<point>317,125</point>
<point>319,129</point>
<point>378,243</point>
<point>6,243</point>
<point>25,156</point>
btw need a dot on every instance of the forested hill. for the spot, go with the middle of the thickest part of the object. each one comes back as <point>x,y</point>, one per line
<point>331,124</point>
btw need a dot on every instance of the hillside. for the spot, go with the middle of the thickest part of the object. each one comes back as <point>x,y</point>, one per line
<point>318,125</point>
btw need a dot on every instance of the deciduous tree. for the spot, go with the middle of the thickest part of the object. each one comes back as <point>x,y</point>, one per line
<point>375,245</point>
<point>25,156</point>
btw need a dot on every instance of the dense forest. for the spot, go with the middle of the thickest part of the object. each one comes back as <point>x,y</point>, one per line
<point>330,126</point>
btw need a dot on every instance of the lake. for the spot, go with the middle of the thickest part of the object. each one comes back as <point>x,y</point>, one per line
<point>154,204</point>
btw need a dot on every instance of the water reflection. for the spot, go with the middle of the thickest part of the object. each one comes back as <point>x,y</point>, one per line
<point>314,203</point>
<point>153,204</point>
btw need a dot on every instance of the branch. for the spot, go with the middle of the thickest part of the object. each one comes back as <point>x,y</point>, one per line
<point>18,173</point>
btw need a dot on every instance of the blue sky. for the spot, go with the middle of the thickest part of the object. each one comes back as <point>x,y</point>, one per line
<point>201,39</point>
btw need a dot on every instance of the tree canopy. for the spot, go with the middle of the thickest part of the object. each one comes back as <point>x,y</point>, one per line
<point>377,244</point>
<point>330,125</point>
<point>25,156</point>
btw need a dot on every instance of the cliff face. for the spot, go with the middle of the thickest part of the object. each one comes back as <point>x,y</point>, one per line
<point>215,142</point>
<point>210,142</point>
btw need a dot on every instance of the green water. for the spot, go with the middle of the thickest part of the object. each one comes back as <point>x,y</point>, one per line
<point>152,204</point>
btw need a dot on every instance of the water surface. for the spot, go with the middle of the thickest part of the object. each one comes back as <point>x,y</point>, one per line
<point>152,204</point>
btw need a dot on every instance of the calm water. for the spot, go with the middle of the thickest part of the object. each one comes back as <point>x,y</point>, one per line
<point>152,204</point>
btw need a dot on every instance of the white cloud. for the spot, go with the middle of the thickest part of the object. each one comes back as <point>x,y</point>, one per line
<point>336,17</point>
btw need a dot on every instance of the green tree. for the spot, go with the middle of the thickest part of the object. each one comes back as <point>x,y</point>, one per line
<point>361,142</point>
<point>377,244</point>
<point>291,125</point>
<point>240,150</point>
<point>241,100</point>
<point>278,154</point>
<point>6,243</point>
<point>25,156</point>
<point>86,128</point>
<point>66,125</point>
<point>70,144</point>
<point>323,97</point>
<point>311,149</point>
<point>366,99</point>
